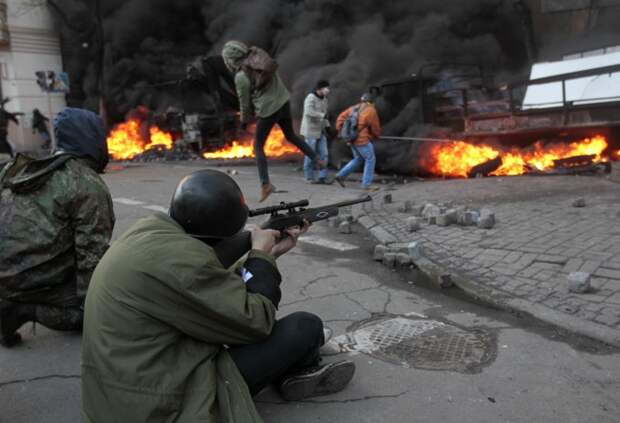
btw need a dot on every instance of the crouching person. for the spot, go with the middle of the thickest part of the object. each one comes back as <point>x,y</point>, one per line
<point>170,335</point>
<point>56,220</point>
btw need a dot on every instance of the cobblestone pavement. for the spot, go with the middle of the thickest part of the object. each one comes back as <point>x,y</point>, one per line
<point>524,261</point>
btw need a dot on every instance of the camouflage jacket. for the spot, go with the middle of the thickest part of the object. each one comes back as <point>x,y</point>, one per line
<point>56,220</point>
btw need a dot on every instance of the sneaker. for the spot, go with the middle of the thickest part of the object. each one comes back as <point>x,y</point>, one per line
<point>316,381</point>
<point>371,188</point>
<point>9,323</point>
<point>320,181</point>
<point>266,190</point>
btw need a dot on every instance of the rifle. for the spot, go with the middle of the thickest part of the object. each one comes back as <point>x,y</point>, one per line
<point>231,249</point>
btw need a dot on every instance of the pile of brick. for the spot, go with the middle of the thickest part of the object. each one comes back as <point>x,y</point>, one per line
<point>445,215</point>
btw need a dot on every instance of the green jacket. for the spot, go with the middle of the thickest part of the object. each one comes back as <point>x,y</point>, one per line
<point>56,220</point>
<point>264,102</point>
<point>158,312</point>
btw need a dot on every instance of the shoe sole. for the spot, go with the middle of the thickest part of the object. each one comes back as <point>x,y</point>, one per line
<point>334,378</point>
<point>340,182</point>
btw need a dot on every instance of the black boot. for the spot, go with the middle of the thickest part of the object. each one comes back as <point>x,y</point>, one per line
<point>12,317</point>
<point>315,381</point>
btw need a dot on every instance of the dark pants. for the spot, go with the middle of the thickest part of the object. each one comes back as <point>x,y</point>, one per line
<point>57,308</point>
<point>5,147</point>
<point>263,127</point>
<point>293,344</point>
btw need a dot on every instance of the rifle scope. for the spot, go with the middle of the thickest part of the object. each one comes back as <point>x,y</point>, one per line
<point>279,207</point>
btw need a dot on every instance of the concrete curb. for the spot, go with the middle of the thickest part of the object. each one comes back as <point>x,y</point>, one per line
<point>499,299</point>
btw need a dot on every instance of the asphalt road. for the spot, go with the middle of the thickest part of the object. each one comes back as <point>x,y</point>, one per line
<point>526,372</point>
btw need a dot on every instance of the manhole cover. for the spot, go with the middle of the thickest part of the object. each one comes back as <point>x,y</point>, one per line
<point>421,343</point>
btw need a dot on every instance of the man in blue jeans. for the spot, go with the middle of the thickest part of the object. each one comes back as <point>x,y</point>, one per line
<point>313,125</point>
<point>369,128</point>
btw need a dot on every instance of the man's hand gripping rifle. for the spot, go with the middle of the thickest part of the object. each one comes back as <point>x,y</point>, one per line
<point>232,249</point>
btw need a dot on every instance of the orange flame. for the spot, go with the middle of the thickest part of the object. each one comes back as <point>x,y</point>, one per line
<point>276,146</point>
<point>458,158</point>
<point>125,140</point>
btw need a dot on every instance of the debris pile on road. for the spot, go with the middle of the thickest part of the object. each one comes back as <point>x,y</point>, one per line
<point>446,215</point>
<point>160,153</point>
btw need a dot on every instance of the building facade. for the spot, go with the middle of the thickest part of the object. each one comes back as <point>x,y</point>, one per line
<point>29,42</point>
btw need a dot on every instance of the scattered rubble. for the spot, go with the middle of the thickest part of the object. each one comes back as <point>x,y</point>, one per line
<point>579,202</point>
<point>414,223</point>
<point>389,259</point>
<point>403,259</point>
<point>416,210</point>
<point>345,228</point>
<point>380,251</point>
<point>159,153</point>
<point>406,207</point>
<point>414,249</point>
<point>447,218</point>
<point>444,280</point>
<point>487,219</point>
<point>579,282</point>
<point>431,210</point>
<point>447,214</point>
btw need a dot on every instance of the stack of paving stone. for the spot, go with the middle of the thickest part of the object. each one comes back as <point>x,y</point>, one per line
<point>446,215</point>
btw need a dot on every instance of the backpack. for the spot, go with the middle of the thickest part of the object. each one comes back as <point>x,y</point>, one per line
<point>349,130</point>
<point>259,67</point>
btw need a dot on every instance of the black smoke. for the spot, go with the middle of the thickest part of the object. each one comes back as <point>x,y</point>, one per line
<point>351,43</point>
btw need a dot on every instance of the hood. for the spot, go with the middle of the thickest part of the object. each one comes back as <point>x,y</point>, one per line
<point>80,133</point>
<point>233,53</point>
<point>26,174</point>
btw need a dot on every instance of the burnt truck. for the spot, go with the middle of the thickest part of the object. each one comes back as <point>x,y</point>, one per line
<point>561,101</point>
<point>204,114</point>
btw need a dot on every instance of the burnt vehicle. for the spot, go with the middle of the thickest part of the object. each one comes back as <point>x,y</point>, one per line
<point>205,112</point>
<point>561,102</point>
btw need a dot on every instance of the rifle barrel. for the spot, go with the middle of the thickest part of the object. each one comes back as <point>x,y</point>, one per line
<point>352,202</point>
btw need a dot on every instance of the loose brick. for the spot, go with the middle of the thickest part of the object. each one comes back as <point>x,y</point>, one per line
<point>379,252</point>
<point>413,224</point>
<point>579,282</point>
<point>345,228</point>
<point>389,259</point>
<point>383,236</point>
<point>403,259</point>
<point>415,250</point>
<point>406,207</point>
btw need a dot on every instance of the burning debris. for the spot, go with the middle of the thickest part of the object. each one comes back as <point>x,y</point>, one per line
<point>138,139</point>
<point>130,138</point>
<point>461,159</point>
<point>276,146</point>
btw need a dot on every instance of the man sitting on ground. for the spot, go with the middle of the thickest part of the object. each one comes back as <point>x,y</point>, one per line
<point>56,220</point>
<point>171,335</point>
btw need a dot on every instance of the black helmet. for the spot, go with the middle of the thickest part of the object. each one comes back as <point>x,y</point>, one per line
<point>209,204</point>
